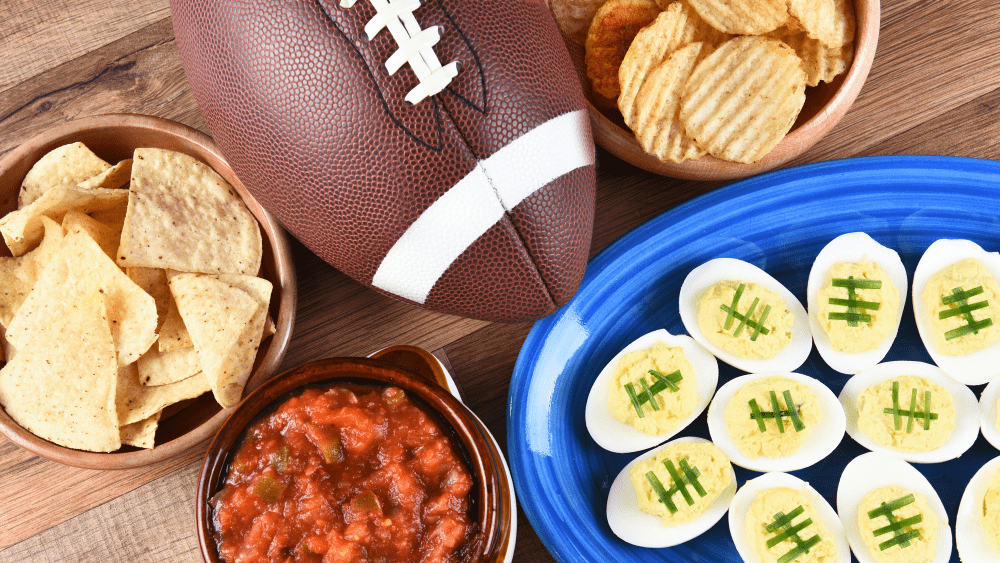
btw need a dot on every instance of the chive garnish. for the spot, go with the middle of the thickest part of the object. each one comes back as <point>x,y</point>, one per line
<point>961,297</point>
<point>746,318</point>
<point>901,536</point>
<point>783,523</point>
<point>630,389</point>
<point>777,410</point>
<point>853,315</point>
<point>793,412</point>
<point>760,323</point>
<point>790,411</point>
<point>757,415</point>
<point>681,482</point>
<point>732,308</point>
<point>649,392</point>
<point>912,412</point>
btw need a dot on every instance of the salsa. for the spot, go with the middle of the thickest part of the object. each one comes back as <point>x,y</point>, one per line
<point>336,477</point>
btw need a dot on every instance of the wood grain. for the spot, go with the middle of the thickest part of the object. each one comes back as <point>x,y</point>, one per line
<point>934,88</point>
<point>40,35</point>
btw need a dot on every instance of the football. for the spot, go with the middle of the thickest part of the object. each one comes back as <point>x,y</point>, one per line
<point>437,151</point>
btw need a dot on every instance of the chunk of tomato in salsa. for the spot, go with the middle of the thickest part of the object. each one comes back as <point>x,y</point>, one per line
<point>336,477</point>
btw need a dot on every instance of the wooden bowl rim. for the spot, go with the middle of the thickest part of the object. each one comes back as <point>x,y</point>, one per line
<point>285,283</point>
<point>492,493</point>
<point>621,142</point>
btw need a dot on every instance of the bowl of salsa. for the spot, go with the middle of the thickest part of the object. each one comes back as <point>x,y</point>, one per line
<point>354,460</point>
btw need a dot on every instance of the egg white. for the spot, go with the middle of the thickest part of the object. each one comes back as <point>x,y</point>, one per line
<point>646,530</point>
<point>821,442</point>
<point>748,492</point>
<point>980,366</point>
<point>988,413</point>
<point>708,274</point>
<point>617,436</point>
<point>966,410</point>
<point>871,471</point>
<point>853,247</point>
<point>973,545</point>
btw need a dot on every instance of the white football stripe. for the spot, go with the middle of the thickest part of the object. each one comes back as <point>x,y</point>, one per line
<point>477,202</point>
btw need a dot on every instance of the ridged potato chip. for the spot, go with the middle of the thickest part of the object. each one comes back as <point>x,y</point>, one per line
<point>743,98</point>
<point>674,28</point>
<point>820,63</point>
<point>657,124</point>
<point>831,22</point>
<point>574,16</point>
<point>742,17</point>
<point>611,32</point>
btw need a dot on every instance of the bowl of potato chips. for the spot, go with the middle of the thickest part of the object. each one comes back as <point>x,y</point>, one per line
<point>717,89</point>
<point>143,291</point>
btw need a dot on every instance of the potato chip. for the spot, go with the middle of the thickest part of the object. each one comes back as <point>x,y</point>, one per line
<point>820,63</point>
<point>182,215</point>
<point>742,99</point>
<point>742,17</point>
<point>80,261</point>
<point>136,402</point>
<point>217,315</point>
<point>61,384</point>
<point>831,22</point>
<point>657,123</point>
<point>141,434</point>
<point>18,275</point>
<point>611,32</point>
<point>62,167</point>
<point>22,229</point>
<point>162,368</point>
<point>154,282</point>
<point>115,177</point>
<point>677,26</point>
<point>574,16</point>
<point>106,237</point>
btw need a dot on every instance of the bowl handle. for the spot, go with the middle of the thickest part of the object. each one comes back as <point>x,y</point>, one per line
<point>416,360</point>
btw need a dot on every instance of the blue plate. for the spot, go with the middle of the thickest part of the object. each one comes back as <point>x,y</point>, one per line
<point>779,222</point>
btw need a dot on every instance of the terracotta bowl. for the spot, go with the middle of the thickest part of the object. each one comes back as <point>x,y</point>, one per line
<point>416,372</point>
<point>825,105</point>
<point>113,138</point>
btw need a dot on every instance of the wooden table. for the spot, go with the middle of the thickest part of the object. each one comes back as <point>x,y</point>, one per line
<point>933,89</point>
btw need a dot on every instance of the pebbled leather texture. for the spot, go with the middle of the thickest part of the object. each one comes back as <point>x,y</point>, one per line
<point>300,102</point>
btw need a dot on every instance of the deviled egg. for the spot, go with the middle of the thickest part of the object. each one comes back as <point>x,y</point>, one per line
<point>891,513</point>
<point>956,302</point>
<point>977,526</point>
<point>911,410</point>
<point>989,415</point>
<point>676,370</point>
<point>742,422</point>
<point>856,292</point>
<point>745,317</point>
<point>648,507</point>
<point>775,505</point>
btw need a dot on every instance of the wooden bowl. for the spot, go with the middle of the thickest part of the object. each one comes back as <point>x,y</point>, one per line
<point>114,138</point>
<point>825,105</point>
<point>417,373</point>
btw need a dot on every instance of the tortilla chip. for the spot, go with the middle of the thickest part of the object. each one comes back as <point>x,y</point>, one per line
<point>81,262</point>
<point>61,167</point>
<point>18,275</point>
<point>269,327</point>
<point>163,368</point>
<point>136,401</point>
<point>154,282</point>
<point>106,237</point>
<point>113,217</point>
<point>141,434</point>
<point>61,384</point>
<point>173,334</point>
<point>218,317</point>
<point>115,177</point>
<point>182,215</point>
<point>22,229</point>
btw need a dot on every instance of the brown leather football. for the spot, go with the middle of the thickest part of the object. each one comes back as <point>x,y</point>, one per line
<point>440,153</point>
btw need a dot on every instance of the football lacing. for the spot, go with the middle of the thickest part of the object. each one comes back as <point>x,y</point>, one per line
<point>415,46</point>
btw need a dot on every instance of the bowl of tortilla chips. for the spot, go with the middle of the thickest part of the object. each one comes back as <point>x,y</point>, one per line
<point>143,292</point>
